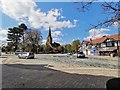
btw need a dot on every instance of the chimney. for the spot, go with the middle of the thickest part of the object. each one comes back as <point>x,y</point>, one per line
<point>104,36</point>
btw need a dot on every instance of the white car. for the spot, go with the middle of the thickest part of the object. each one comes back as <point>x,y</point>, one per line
<point>26,55</point>
<point>80,54</point>
<point>18,52</point>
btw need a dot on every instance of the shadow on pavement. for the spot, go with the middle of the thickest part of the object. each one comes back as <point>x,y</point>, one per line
<point>32,67</point>
<point>40,76</point>
<point>83,57</point>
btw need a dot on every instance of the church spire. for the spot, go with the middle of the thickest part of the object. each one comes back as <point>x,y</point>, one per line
<point>49,38</point>
<point>49,32</point>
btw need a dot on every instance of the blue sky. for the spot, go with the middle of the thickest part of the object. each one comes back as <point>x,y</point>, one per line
<point>77,23</point>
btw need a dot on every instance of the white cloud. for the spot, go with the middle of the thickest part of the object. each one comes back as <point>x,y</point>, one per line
<point>44,41</point>
<point>75,21</point>
<point>97,33</point>
<point>62,17</point>
<point>57,36</point>
<point>25,11</point>
<point>3,35</point>
<point>56,39</point>
<point>56,33</point>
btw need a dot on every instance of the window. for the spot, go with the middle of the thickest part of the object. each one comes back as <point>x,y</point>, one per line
<point>103,45</point>
<point>118,43</point>
<point>109,43</point>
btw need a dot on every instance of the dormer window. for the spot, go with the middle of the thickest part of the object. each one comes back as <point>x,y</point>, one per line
<point>109,40</point>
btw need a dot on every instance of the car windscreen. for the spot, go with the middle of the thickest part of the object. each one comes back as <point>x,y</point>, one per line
<point>31,54</point>
<point>18,51</point>
<point>80,52</point>
<point>24,52</point>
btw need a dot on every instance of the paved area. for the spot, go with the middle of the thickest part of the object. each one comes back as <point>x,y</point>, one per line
<point>104,57</point>
<point>60,71</point>
<point>40,76</point>
<point>70,64</point>
<point>71,61</point>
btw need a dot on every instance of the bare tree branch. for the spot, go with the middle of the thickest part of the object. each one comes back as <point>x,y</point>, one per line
<point>111,7</point>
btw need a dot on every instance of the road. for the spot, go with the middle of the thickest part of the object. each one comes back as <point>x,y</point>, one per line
<point>48,71</point>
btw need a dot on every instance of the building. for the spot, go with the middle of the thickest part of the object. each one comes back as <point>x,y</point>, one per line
<point>53,47</point>
<point>105,45</point>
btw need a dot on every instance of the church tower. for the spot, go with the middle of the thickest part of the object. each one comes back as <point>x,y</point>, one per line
<point>49,39</point>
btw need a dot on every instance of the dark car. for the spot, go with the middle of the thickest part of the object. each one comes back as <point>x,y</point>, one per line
<point>69,53</point>
<point>80,54</point>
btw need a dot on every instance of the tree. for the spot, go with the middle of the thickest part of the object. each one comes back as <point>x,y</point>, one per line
<point>23,27</point>
<point>42,48</point>
<point>68,47</point>
<point>13,36</point>
<point>33,38</point>
<point>47,49</point>
<point>61,49</point>
<point>75,45</point>
<point>110,8</point>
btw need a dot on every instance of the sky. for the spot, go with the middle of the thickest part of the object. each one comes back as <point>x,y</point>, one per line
<point>66,22</point>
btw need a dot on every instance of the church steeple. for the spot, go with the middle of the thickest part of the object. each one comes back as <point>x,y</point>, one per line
<point>52,46</point>
<point>49,32</point>
<point>49,38</point>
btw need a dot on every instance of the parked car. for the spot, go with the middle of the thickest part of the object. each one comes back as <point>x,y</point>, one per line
<point>18,52</point>
<point>80,54</point>
<point>26,55</point>
<point>69,53</point>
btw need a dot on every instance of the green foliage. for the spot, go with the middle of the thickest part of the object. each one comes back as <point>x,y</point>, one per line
<point>61,49</point>
<point>14,35</point>
<point>68,47</point>
<point>75,45</point>
<point>22,38</point>
<point>47,49</point>
<point>23,27</point>
<point>28,48</point>
<point>41,49</point>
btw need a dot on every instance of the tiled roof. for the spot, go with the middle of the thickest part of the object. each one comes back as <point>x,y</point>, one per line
<point>115,37</point>
<point>102,39</point>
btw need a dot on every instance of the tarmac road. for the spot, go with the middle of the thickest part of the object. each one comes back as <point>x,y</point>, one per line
<point>40,76</point>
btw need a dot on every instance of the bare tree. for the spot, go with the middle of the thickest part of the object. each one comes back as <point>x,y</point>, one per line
<point>33,39</point>
<point>110,8</point>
